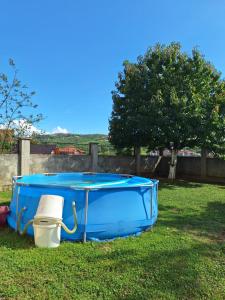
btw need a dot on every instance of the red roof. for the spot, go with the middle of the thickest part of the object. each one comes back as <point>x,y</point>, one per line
<point>68,150</point>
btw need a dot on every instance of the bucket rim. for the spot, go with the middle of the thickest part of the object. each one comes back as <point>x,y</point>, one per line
<point>46,226</point>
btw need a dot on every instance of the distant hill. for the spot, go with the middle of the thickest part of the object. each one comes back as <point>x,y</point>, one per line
<point>78,140</point>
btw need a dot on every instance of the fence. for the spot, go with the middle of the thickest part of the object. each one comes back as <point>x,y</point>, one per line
<point>27,163</point>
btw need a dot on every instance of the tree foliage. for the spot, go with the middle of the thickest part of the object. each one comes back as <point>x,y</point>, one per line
<point>169,98</point>
<point>16,107</point>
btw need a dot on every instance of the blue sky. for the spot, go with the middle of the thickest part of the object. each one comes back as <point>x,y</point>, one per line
<point>70,51</point>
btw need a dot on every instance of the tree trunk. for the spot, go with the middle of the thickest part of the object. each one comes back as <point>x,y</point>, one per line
<point>158,161</point>
<point>173,164</point>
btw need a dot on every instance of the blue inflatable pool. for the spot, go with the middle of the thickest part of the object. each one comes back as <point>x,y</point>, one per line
<point>107,205</point>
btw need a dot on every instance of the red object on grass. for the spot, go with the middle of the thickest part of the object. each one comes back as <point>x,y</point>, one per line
<point>4,210</point>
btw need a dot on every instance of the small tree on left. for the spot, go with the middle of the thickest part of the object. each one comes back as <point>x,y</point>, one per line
<point>17,116</point>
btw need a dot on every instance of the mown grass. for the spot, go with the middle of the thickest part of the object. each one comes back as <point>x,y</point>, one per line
<point>183,257</point>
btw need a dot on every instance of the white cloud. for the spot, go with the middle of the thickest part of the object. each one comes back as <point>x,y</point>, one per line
<point>29,128</point>
<point>22,126</point>
<point>59,129</point>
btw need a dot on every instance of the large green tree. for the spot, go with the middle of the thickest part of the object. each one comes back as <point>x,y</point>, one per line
<point>168,99</point>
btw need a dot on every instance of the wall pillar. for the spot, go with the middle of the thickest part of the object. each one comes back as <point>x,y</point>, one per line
<point>137,154</point>
<point>93,152</point>
<point>24,156</point>
<point>204,154</point>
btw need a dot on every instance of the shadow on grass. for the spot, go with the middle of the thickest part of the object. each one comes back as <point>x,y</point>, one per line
<point>11,240</point>
<point>222,187</point>
<point>168,184</point>
<point>169,272</point>
<point>4,202</point>
<point>209,223</point>
<point>178,273</point>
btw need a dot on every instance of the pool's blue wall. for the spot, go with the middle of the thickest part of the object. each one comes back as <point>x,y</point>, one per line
<point>112,212</point>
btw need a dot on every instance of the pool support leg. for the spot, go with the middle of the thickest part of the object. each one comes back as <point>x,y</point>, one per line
<point>17,206</point>
<point>151,200</point>
<point>86,215</point>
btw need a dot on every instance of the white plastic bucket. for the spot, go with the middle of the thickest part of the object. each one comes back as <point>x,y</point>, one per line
<point>50,206</point>
<point>47,235</point>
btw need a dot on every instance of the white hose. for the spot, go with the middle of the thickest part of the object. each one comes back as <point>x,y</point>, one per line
<point>22,232</point>
<point>70,231</point>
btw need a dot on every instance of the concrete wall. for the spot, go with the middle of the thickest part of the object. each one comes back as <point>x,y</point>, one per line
<point>26,163</point>
<point>186,166</point>
<point>189,166</point>
<point>116,164</point>
<point>42,163</point>
<point>215,167</point>
<point>8,169</point>
<point>45,163</point>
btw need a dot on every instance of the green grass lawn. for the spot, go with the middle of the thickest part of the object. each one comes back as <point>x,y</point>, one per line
<point>183,257</point>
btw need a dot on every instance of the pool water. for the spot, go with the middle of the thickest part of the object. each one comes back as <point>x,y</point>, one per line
<point>80,180</point>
